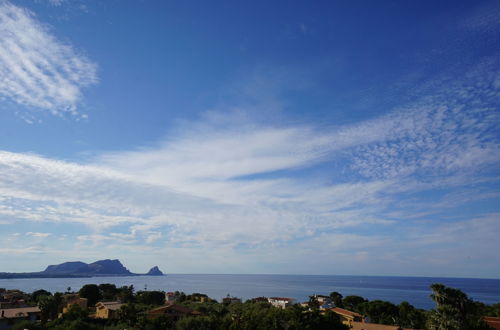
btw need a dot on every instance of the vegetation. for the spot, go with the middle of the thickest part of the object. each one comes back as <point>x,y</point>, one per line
<point>454,310</point>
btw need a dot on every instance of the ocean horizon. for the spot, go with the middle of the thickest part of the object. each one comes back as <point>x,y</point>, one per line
<point>395,289</point>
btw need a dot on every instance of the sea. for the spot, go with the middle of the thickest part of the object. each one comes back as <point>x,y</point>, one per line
<point>414,290</point>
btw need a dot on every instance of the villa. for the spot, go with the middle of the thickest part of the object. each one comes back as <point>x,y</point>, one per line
<point>107,310</point>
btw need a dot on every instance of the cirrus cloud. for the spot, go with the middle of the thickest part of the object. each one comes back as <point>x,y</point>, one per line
<point>36,69</point>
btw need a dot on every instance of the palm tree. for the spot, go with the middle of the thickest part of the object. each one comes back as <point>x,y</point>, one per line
<point>454,310</point>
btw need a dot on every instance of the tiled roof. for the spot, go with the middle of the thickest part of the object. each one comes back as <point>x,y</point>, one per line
<point>493,322</point>
<point>342,311</point>
<point>18,312</point>
<point>374,326</point>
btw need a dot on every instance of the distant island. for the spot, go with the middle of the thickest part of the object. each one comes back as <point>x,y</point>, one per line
<point>105,267</point>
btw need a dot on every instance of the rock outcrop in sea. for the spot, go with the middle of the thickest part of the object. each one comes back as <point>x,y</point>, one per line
<point>106,267</point>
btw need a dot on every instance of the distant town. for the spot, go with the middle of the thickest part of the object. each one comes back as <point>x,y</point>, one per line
<point>106,306</point>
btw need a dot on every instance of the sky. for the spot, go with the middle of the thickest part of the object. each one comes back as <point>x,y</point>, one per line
<point>256,137</point>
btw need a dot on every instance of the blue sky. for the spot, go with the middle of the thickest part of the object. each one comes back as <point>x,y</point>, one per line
<point>334,137</point>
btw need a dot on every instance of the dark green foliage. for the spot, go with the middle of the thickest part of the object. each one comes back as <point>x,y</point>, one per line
<point>160,323</point>
<point>91,292</point>
<point>337,299</point>
<point>151,297</point>
<point>488,310</point>
<point>126,294</point>
<point>379,311</point>
<point>181,296</point>
<point>313,302</point>
<point>197,297</point>
<point>454,310</point>
<point>263,316</point>
<point>128,314</point>
<point>77,325</point>
<point>27,325</point>
<point>493,310</point>
<point>50,306</point>
<point>410,317</point>
<point>109,292</point>
<point>36,295</point>
<point>197,323</point>
<point>75,312</point>
<point>352,302</point>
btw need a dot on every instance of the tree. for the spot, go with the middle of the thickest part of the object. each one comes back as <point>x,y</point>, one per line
<point>36,295</point>
<point>454,310</point>
<point>75,312</point>
<point>379,311</point>
<point>196,323</point>
<point>337,299</point>
<point>77,325</point>
<point>493,310</point>
<point>26,325</point>
<point>108,291</point>
<point>410,317</point>
<point>126,294</point>
<point>91,292</point>
<point>352,302</point>
<point>151,297</point>
<point>127,314</point>
<point>313,302</point>
<point>50,306</point>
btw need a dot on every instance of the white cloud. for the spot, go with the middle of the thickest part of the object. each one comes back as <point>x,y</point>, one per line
<point>36,69</point>
<point>252,187</point>
<point>56,2</point>
<point>153,237</point>
<point>38,235</point>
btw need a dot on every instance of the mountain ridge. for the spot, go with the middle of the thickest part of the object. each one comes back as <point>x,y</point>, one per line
<point>105,267</point>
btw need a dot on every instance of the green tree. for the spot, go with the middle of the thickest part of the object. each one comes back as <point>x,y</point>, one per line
<point>91,292</point>
<point>128,314</point>
<point>23,325</point>
<point>410,317</point>
<point>337,299</point>
<point>109,292</point>
<point>151,297</point>
<point>382,312</point>
<point>313,302</point>
<point>126,294</point>
<point>352,302</point>
<point>454,310</point>
<point>493,310</point>
<point>75,312</point>
<point>77,325</point>
<point>50,307</point>
<point>36,295</point>
<point>197,323</point>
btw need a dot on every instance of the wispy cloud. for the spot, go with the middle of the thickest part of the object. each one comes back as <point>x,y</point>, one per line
<point>38,235</point>
<point>36,69</point>
<point>250,191</point>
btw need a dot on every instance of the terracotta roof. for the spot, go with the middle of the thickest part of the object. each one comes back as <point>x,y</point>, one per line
<point>342,311</point>
<point>10,313</point>
<point>372,326</point>
<point>493,322</point>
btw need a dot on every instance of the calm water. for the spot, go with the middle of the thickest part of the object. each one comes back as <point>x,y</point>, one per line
<point>395,289</point>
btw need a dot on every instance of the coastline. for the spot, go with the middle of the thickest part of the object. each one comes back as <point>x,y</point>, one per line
<point>415,290</point>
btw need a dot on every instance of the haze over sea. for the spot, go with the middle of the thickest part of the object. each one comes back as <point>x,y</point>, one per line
<point>415,290</point>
